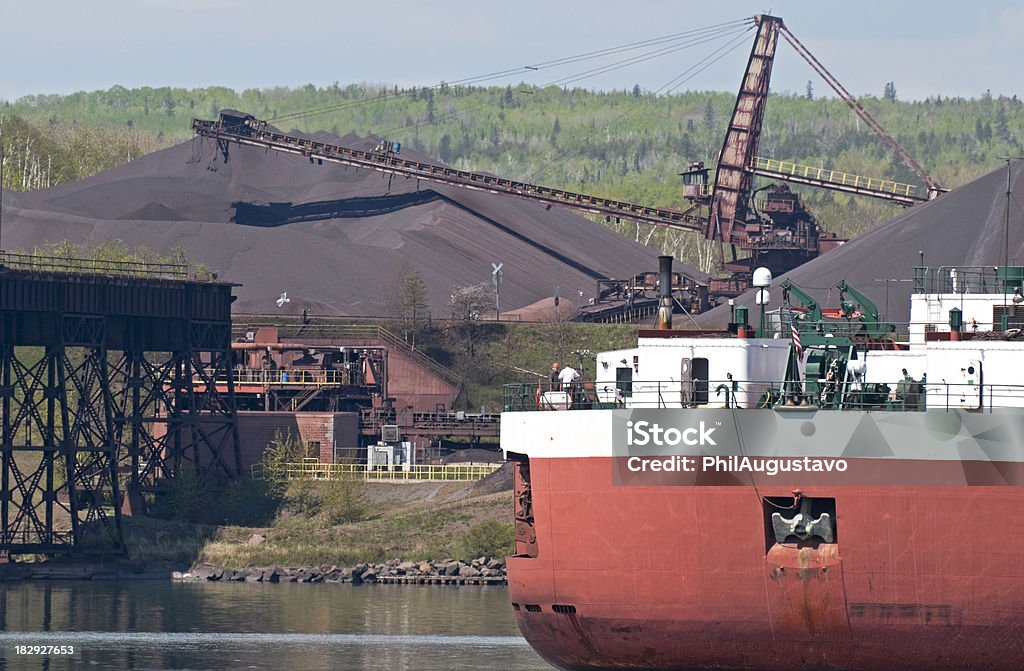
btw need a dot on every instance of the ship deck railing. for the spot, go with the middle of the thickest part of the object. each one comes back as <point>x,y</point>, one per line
<point>968,280</point>
<point>908,396</point>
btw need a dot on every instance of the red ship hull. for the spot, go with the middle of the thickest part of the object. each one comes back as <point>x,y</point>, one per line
<point>681,577</point>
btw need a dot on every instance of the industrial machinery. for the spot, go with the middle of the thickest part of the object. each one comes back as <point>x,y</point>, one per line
<point>764,227</point>
<point>781,234</point>
<point>857,317</point>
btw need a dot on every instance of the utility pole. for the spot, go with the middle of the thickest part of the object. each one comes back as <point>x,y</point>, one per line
<point>496,275</point>
<point>887,280</point>
<point>1006,238</point>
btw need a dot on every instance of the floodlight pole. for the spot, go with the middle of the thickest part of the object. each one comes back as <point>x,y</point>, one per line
<point>1006,246</point>
<point>762,279</point>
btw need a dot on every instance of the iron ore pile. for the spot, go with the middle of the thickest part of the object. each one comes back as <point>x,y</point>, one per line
<point>965,227</point>
<point>334,239</point>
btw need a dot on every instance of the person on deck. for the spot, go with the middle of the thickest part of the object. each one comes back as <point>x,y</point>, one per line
<point>553,382</point>
<point>569,377</point>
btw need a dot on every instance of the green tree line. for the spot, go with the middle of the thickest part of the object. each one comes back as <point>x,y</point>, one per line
<point>628,144</point>
<point>39,155</point>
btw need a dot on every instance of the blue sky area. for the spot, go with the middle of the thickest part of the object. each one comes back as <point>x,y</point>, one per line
<point>925,48</point>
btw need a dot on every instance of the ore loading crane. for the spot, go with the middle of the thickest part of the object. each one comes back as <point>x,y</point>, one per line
<point>241,128</point>
<point>780,233</point>
<point>775,231</point>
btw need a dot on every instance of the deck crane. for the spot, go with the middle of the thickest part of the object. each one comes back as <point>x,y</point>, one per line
<point>791,290</point>
<point>813,319</point>
<point>775,231</point>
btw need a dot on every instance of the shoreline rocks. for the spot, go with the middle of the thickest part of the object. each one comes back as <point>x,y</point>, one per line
<point>479,571</point>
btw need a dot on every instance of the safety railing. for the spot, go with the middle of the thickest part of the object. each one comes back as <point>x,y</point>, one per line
<point>832,176</point>
<point>968,280</point>
<point>898,396</point>
<point>291,377</point>
<point>313,469</point>
<point>63,264</point>
<point>587,395</point>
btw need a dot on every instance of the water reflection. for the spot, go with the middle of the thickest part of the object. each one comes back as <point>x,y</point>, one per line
<point>147,625</point>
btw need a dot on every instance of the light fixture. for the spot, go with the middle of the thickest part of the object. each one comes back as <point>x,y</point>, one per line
<point>762,279</point>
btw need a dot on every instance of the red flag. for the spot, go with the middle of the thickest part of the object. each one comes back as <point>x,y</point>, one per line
<point>796,341</point>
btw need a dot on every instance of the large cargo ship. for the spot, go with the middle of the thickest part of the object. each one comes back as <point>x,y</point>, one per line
<point>820,497</point>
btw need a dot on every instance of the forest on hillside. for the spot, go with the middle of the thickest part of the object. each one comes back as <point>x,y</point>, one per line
<point>629,145</point>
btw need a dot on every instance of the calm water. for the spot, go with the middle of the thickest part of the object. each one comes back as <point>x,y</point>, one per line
<point>156,625</point>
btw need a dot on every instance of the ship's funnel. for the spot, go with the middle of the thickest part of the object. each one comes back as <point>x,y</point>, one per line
<point>664,322</point>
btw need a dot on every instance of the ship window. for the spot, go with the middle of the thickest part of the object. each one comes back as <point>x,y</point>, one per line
<point>532,608</point>
<point>563,608</point>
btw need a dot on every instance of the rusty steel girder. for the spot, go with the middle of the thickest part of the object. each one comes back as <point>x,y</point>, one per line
<point>106,381</point>
<point>733,179</point>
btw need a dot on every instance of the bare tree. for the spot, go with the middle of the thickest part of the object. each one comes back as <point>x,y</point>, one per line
<point>407,299</point>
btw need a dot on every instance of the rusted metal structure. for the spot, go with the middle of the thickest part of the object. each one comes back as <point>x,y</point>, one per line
<point>328,366</point>
<point>431,425</point>
<point>778,232</point>
<point>238,127</point>
<point>99,400</point>
<point>934,188</point>
<point>292,377</point>
<point>242,128</point>
<point>733,182</point>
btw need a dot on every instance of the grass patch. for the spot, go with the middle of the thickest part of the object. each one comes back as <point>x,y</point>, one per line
<point>153,540</point>
<point>410,521</point>
<point>489,538</point>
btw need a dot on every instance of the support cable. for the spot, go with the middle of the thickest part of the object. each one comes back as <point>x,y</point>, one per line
<point>933,187</point>
<point>671,86</point>
<point>668,88</point>
<point>696,36</point>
